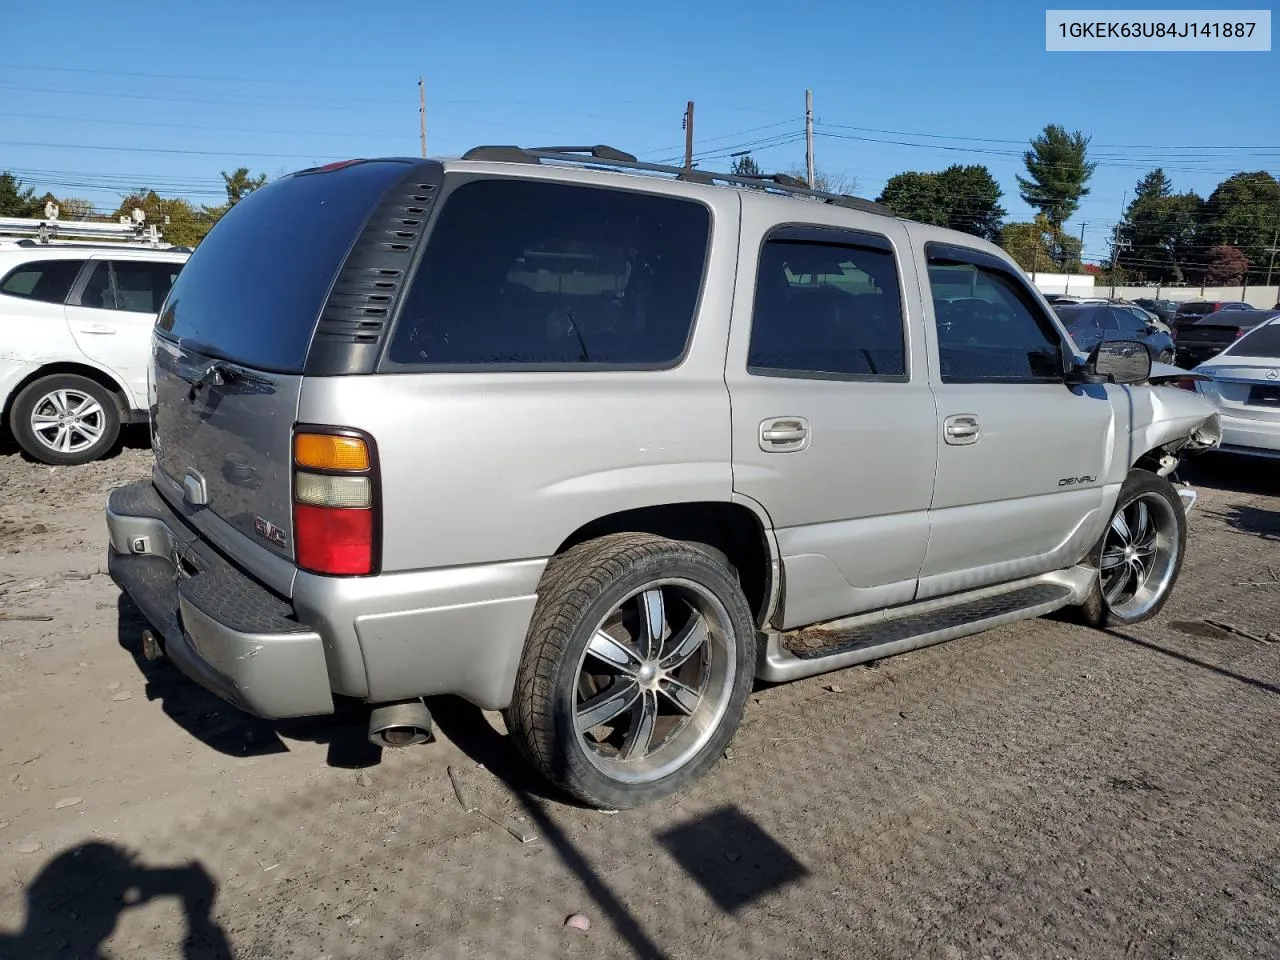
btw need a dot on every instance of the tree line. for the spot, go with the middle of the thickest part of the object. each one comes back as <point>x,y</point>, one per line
<point>186,224</point>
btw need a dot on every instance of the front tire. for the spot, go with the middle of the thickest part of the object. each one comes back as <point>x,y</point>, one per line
<point>1140,554</point>
<point>640,658</point>
<point>65,419</point>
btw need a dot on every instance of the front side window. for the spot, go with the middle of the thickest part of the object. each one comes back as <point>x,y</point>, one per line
<point>988,330</point>
<point>827,309</point>
<point>48,281</point>
<point>534,273</point>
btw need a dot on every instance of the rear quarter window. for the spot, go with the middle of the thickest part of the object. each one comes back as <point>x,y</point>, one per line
<point>48,281</point>
<point>539,274</point>
<point>253,289</point>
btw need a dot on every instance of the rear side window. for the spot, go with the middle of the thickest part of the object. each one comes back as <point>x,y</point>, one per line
<point>141,287</point>
<point>1262,342</point>
<point>48,281</point>
<point>530,273</point>
<point>827,309</point>
<point>253,289</point>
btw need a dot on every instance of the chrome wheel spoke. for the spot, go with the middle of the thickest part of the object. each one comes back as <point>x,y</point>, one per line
<point>88,407</point>
<point>1112,557</point>
<point>644,718</point>
<point>653,608</point>
<point>59,401</point>
<point>604,648</point>
<point>1142,523</point>
<point>63,440</point>
<point>607,705</point>
<point>1118,583</point>
<point>684,697</point>
<point>1147,547</point>
<point>686,641</point>
<point>1121,527</point>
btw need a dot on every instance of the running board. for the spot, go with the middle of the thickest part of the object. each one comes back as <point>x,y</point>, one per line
<point>845,643</point>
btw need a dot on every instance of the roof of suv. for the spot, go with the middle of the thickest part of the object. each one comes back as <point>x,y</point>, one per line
<point>607,166</point>
<point>22,254</point>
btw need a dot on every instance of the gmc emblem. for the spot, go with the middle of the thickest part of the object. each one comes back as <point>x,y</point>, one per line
<point>269,531</point>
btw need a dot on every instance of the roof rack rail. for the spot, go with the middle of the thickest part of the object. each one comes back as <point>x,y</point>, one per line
<point>611,157</point>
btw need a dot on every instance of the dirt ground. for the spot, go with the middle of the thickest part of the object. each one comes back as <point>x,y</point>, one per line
<point>1038,791</point>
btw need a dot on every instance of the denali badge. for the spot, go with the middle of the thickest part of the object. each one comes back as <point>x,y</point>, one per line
<point>1072,481</point>
<point>269,530</point>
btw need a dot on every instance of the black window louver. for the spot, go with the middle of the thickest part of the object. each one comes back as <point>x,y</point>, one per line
<point>374,274</point>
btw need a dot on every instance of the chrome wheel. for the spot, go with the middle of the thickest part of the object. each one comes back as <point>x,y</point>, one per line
<point>68,421</point>
<point>654,681</point>
<point>1140,555</point>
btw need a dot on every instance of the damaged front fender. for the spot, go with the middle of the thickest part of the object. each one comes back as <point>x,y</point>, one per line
<point>1170,420</point>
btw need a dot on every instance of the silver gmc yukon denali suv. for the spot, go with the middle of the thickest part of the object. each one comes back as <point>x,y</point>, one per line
<point>598,444</point>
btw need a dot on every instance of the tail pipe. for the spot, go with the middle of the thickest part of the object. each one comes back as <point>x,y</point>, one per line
<point>400,724</point>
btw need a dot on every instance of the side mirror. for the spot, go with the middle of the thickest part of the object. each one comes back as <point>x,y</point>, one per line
<point>1120,361</point>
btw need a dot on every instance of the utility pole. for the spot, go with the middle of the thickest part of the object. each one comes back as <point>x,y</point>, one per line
<point>422,115</point>
<point>808,134</point>
<point>1272,265</point>
<point>688,136</point>
<point>1116,246</point>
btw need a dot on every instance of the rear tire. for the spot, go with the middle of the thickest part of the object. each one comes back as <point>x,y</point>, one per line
<point>1139,556</point>
<point>639,660</point>
<point>65,419</point>
<point>1166,357</point>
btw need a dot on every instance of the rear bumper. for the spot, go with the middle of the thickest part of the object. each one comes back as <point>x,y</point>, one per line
<point>1257,438</point>
<point>222,629</point>
<point>455,630</point>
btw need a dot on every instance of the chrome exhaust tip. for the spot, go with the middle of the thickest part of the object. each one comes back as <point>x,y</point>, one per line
<point>401,724</point>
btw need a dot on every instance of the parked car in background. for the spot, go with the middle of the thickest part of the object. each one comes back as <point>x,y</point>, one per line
<point>75,341</point>
<point>1164,309</point>
<point>1145,315</point>
<point>1193,310</point>
<point>1090,324</point>
<point>1207,337</point>
<point>1244,384</point>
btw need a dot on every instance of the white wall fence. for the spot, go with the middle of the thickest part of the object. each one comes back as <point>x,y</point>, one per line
<point>1083,285</point>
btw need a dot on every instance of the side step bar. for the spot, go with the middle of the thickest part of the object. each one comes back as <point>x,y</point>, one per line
<point>845,643</point>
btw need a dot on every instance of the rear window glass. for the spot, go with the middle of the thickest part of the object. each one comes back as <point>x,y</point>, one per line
<point>46,280</point>
<point>1195,309</point>
<point>1264,342</point>
<point>534,273</point>
<point>253,289</point>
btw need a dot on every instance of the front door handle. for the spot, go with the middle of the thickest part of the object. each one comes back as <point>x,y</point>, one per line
<point>784,434</point>
<point>963,428</point>
<point>99,330</point>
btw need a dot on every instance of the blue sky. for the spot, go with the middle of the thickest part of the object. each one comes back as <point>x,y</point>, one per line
<point>99,98</point>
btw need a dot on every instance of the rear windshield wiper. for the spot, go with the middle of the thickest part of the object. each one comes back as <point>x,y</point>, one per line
<point>219,372</point>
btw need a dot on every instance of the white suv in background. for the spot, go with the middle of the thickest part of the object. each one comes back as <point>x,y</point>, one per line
<point>75,336</point>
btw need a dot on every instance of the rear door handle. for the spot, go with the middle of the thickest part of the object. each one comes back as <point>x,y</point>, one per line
<point>784,434</point>
<point>962,428</point>
<point>99,330</point>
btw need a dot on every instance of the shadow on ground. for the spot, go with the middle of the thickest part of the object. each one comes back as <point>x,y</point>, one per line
<point>76,899</point>
<point>231,731</point>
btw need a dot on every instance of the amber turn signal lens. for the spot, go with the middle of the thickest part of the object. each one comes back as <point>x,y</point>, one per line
<point>328,452</point>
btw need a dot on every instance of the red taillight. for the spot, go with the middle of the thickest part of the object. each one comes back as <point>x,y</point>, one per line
<point>1240,331</point>
<point>335,526</point>
<point>1186,383</point>
<point>333,540</point>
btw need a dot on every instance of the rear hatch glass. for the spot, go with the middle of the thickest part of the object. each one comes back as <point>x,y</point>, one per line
<point>232,341</point>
